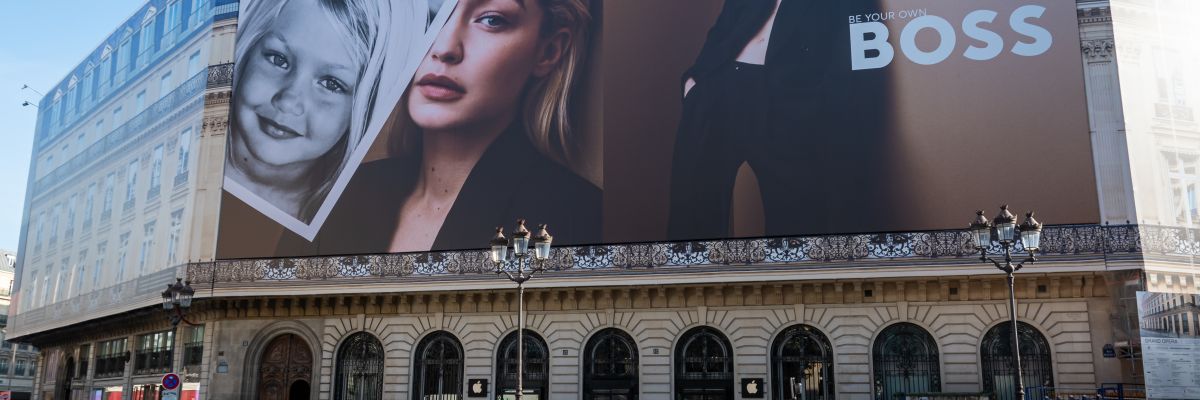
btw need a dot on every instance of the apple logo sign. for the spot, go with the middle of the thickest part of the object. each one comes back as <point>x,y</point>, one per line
<point>752,388</point>
<point>477,387</point>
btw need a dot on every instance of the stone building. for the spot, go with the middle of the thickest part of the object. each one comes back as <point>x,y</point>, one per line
<point>829,316</point>
<point>18,362</point>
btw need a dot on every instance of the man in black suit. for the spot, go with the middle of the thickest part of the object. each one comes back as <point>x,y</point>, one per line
<point>774,88</point>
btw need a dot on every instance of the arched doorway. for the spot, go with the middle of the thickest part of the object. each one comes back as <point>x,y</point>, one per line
<point>285,369</point>
<point>802,364</point>
<point>906,361</point>
<point>359,372</point>
<point>610,366</point>
<point>438,372</point>
<point>62,387</point>
<point>536,366</point>
<point>995,353</point>
<point>703,366</point>
<point>299,390</point>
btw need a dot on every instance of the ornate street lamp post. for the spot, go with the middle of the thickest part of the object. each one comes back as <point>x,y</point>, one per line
<point>1004,229</point>
<point>520,252</point>
<point>177,299</point>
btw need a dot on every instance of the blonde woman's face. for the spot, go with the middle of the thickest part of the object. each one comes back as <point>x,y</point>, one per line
<point>295,93</point>
<point>475,72</point>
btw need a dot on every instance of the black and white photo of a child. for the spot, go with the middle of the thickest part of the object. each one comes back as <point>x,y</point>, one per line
<point>306,81</point>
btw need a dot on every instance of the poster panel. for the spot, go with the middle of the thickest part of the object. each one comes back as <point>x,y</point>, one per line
<point>735,119</point>
<point>1170,344</point>
<point>314,82</point>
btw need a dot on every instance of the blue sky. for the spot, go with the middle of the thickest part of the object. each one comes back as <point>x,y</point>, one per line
<point>42,41</point>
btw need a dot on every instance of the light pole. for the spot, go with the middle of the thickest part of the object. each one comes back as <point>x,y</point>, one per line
<point>520,247</point>
<point>1004,229</point>
<point>177,299</point>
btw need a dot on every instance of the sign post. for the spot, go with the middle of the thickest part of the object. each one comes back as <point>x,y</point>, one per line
<point>170,384</point>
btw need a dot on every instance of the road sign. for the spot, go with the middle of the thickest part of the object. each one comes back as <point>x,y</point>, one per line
<point>170,381</point>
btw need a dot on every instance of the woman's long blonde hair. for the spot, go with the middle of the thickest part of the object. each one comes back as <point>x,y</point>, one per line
<point>365,27</point>
<point>548,101</point>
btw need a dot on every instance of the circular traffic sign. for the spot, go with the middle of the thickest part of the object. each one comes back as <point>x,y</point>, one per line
<point>170,381</point>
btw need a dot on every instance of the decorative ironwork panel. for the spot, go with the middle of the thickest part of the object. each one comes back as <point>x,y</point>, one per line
<point>611,362</point>
<point>536,365</point>
<point>359,369</point>
<point>439,368</point>
<point>802,364</point>
<point>949,245</point>
<point>995,352</point>
<point>906,361</point>
<point>704,365</point>
<point>220,75</point>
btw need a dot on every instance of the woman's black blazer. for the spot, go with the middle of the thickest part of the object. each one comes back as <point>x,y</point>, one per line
<point>830,121</point>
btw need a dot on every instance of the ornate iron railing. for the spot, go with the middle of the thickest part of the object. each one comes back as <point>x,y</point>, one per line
<point>185,94</point>
<point>112,365</point>
<point>1066,240</point>
<point>220,75</point>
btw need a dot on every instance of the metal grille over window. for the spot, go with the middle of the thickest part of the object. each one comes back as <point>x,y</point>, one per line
<point>110,358</point>
<point>154,352</point>
<point>193,346</point>
<point>536,357</point>
<point>612,366</point>
<point>439,369</point>
<point>802,363</point>
<point>85,354</point>
<point>995,352</point>
<point>906,362</point>
<point>359,368</point>
<point>704,365</point>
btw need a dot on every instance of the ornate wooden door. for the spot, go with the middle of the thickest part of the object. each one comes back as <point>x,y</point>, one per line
<point>286,360</point>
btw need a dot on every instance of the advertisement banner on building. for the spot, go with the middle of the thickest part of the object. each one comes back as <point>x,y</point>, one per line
<point>1170,344</point>
<point>611,124</point>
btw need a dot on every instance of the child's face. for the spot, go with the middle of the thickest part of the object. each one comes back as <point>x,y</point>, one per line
<point>298,80</point>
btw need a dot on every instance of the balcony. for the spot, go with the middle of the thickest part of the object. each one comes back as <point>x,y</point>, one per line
<point>109,366</point>
<point>153,361</point>
<point>193,353</point>
<point>135,128</point>
<point>741,257</point>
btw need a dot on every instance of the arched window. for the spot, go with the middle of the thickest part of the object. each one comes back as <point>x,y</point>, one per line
<point>611,362</point>
<point>359,373</point>
<point>802,364</point>
<point>906,361</point>
<point>703,366</point>
<point>995,353</point>
<point>439,368</point>
<point>536,366</point>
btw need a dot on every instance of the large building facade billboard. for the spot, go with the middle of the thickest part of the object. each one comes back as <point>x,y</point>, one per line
<point>624,121</point>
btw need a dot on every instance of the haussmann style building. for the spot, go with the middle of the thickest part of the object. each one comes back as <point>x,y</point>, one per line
<point>125,190</point>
